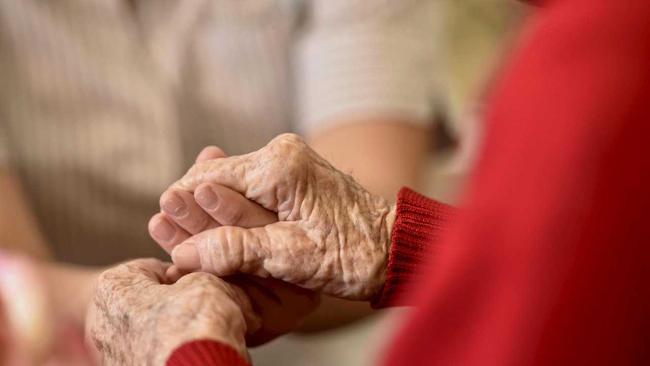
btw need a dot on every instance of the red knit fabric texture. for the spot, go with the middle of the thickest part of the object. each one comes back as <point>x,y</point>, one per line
<point>419,223</point>
<point>206,353</point>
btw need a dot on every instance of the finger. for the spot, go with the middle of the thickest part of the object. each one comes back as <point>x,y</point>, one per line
<point>245,173</point>
<point>223,251</point>
<point>268,309</point>
<point>234,293</point>
<point>166,232</point>
<point>210,153</point>
<point>135,274</point>
<point>284,290</point>
<point>229,171</point>
<point>230,208</point>
<point>282,306</point>
<point>182,209</point>
<point>281,250</point>
<point>245,282</point>
<point>174,273</point>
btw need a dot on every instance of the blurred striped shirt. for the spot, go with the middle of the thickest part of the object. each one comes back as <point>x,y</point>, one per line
<point>103,103</point>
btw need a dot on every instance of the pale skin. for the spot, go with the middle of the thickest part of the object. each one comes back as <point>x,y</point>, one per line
<point>332,235</point>
<point>138,316</point>
<point>73,285</point>
<point>19,233</point>
<point>401,147</point>
<point>383,155</point>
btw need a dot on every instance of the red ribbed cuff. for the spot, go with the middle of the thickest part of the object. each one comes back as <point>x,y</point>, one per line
<point>419,223</point>
<point>206,353</point>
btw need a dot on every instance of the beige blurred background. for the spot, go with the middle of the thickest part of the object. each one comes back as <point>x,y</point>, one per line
<point>477,36</point>
<point>150,84</point>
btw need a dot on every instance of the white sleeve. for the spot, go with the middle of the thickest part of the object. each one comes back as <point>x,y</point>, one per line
<point>364,58</point>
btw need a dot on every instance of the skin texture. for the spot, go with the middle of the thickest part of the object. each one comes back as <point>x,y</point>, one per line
<point>399,149</point>
<point>281,306</point>
<point>332,236</point>
<point>383,155</point>
<point>137,318</point>
<point>19,234</point>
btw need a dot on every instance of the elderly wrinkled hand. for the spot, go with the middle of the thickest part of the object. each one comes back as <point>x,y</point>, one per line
<point>332,236</point>
<point>281,306</point>
<point>138,319</point>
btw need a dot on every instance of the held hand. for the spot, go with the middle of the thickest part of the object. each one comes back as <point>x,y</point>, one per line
<point>138,319</point>
<point>333,235</point>
<point>281,306</point>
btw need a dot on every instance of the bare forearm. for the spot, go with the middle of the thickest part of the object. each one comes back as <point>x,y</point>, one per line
<point>69,286</point>
<point>383,155</point>
<point>19,230</point>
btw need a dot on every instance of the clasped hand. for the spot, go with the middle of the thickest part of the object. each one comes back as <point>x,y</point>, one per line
<point>283,216</point>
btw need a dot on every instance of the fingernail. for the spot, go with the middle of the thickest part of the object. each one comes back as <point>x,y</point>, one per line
<point>162,230</point>
<point>206,197</point>
<point>174,205</point>
<point>186,257</point>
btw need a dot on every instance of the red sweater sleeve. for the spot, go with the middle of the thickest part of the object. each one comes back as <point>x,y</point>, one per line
<point>206,353</point>
<point>419,223</point>
<point>548,262</point>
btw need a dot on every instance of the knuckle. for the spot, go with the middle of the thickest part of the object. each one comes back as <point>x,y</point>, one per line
<point>193,174</point>
<point>288,145</point>
<point>287,138</point>
<point>203,285</point>
<point>194,169</point>
<point>107,277</point>
<point>198,279</point>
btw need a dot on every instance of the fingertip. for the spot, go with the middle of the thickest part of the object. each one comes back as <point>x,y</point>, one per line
<point>186,257</point>
<point>205,195</point>
<point>173,204</point>
<point>210,153</point>
<point>161,229</point>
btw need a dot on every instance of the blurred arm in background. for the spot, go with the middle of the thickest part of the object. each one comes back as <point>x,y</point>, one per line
<point>19,234</point>
<point>69,286</point>
<point>365,90</point>
<point>18,227</point>
<point>57,294</point>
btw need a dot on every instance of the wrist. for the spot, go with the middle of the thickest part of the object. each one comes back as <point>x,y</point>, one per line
<point>376,281</point>
<point>22,292</point>
<point>390,222</point>
<point>418,225</point>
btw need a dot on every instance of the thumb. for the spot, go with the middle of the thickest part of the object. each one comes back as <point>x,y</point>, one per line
<point>280,250</point>
<point>223,251</point>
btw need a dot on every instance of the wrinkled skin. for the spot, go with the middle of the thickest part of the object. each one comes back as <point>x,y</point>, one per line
<point>281,306</point>
<point>138,319</point>
<point>332,236</point>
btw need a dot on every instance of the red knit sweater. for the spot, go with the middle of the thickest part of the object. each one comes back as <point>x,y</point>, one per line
<point>549,261</point>
<point>418,225</point>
